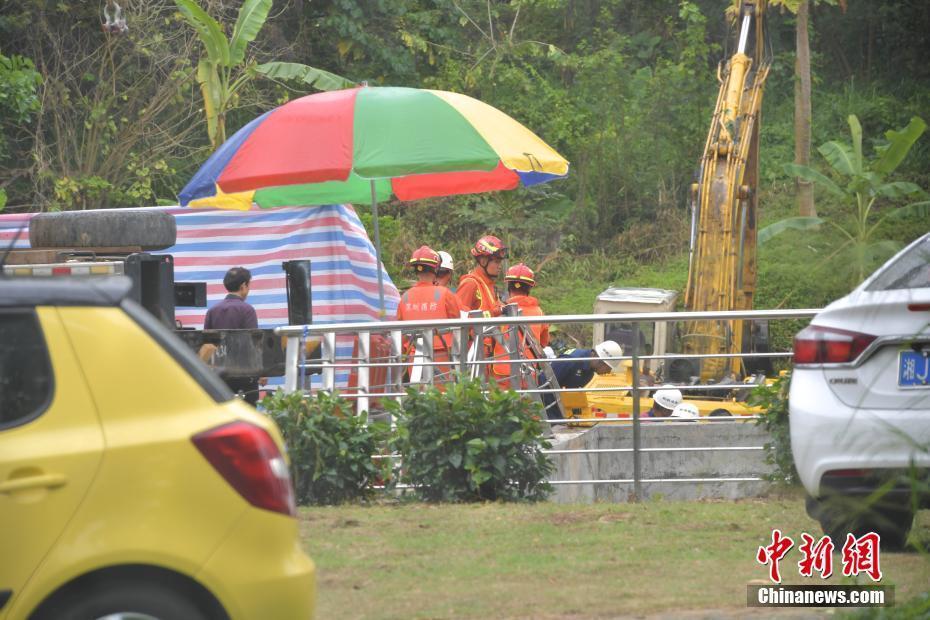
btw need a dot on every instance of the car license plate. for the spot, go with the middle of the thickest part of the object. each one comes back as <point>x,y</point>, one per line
<point>912,369</point>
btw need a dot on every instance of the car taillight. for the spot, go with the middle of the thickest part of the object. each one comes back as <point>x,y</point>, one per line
<point>826,345</point>
<point>249,460</point>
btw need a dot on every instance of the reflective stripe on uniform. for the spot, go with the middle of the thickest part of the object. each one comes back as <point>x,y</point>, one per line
<point>483,293</point>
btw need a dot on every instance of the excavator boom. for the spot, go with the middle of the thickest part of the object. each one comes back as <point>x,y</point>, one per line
<point>722,269</point>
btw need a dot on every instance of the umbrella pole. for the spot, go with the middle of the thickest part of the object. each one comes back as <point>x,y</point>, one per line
<point>374,217</point>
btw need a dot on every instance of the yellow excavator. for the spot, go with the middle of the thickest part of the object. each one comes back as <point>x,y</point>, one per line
<point>722,266</point>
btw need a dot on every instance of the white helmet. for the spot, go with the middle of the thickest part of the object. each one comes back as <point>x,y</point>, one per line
<point>668,397</point>
<point>445,260</point>
<point>609,348</point>
<point>686,410</point>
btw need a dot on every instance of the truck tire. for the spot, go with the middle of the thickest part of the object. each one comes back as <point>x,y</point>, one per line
<point>148,229</point>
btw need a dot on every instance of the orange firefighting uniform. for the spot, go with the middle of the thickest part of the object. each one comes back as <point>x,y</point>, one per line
<point>424,302</point>
<point>476,292</point>
<point>529,306</point>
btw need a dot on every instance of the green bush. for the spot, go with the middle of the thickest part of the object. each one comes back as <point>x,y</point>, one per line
<point>774,399</point>
<point>462,445</point>
<point>330,448</point>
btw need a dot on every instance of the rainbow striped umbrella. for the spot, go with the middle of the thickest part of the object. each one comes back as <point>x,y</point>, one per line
<point>368,144</point>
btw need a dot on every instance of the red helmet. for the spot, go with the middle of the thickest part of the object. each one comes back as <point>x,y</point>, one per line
<point>424,257</point>
<point>520,274</point>
<point>489,245</point>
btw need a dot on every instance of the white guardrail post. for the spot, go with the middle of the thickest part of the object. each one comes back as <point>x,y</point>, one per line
<point>292,365</point>
<point>429,371</point>
<point>364,371</point>
<point>637,431</point>
<point>328,359</point>
<point>395,381</point>
<point>460,349</point>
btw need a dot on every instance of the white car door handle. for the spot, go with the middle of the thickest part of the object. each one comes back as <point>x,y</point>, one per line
<point>49,481</point>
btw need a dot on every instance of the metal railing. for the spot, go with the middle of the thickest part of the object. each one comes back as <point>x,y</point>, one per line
<point>377,360</point>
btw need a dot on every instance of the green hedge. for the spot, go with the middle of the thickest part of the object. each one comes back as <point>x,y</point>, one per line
<point>774,400</point>
<point>330,447</point>
<point>462,445</point>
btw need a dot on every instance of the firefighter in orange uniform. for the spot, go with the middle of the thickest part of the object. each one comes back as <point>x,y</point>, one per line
<point>426,301</point>
<point>476,288</point>
<point>520,281</point>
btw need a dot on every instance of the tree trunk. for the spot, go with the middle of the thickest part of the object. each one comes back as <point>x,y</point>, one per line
<point>802,112</point>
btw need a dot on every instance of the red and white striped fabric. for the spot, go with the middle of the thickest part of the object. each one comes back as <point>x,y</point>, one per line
<point>343,277</point>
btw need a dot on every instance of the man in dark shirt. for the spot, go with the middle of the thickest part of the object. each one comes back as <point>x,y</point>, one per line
<point>234,313</point>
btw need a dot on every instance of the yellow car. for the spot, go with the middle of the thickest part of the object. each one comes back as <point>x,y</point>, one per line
<point>132,483</point>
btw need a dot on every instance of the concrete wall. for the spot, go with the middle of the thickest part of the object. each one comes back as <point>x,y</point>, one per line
<point>698,464</point>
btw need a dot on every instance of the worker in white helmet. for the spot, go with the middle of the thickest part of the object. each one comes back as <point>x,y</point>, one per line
<point>664,402</point>
<point>444,271</point>
<point>686,411</point>
<point>577,374</point>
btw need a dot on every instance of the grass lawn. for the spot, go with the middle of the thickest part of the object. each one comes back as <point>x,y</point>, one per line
<point>411,560</point>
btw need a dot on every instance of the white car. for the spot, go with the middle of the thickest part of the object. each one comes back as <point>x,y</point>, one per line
<point>860,403</point>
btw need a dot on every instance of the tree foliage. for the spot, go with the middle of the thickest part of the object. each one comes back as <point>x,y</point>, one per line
<point>113,120</point>
<point>862,188</point>
<point>19,101</point>
<point>224,69</point>
<point>623,89</point>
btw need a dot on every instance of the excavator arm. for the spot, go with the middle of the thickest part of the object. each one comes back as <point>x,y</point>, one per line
<point>722,268</point>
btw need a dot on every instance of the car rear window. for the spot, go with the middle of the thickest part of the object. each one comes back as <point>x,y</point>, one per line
<point>909,270</point>
<point>25,369</point>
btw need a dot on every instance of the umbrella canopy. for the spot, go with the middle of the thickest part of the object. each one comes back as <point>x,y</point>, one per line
<point>369,143</point>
